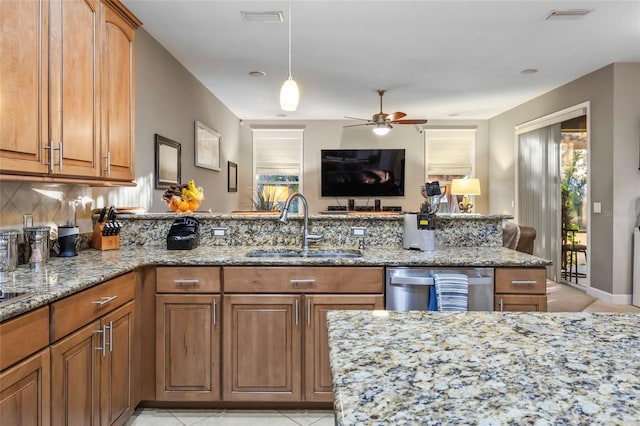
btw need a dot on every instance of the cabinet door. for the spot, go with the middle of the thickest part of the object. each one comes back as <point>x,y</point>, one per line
<point>520,303</point>
<point>74,90</point>
<point>187,347</point>
<point>318,386</point>
<point>75,379</point>
<point>117,398</point>
<point>24,392</point>
<point>262,355</point>
<point>23,84</point>
<point>117,97</point>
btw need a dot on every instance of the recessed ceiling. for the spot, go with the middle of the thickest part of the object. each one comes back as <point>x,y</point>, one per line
<point>435,58</point>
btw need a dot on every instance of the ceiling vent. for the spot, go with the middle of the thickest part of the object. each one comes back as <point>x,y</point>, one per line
<point>568,14</point>
<point>267,16</point>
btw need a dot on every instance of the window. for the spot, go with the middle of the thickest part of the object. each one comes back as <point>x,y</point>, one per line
<point>449,154</point>
<point>277,167</point>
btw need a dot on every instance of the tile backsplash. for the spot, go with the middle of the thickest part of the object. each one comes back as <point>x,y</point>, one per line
<point>46,202</point>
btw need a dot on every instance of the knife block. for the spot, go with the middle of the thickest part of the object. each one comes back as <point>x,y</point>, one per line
<point>104,242</point>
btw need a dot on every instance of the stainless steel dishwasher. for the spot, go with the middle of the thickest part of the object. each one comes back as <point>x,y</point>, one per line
<point>407,288</point>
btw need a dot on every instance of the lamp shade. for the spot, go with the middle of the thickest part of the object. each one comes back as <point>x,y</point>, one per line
<point>289,95</point>
<point>465,186</point>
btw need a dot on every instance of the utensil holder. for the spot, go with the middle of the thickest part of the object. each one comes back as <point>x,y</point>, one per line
<point>104,242</point>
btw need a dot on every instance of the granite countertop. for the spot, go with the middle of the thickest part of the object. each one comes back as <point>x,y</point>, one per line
<point>485,368</point>
<point>61,277</point>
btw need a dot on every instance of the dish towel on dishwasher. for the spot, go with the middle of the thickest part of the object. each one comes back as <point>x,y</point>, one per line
<point>452,291</point>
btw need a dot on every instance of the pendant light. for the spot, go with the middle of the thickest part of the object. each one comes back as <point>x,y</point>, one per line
<point>289,93</point>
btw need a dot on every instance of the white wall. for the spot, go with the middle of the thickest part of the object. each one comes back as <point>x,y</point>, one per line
<point>168,101</point>
<point>330,134</point>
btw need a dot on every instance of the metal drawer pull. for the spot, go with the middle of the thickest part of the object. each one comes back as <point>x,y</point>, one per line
<point>60,156</point>
<point>501,304</point>
<point>308,312</point>
<point>108,158</point>
<point>296,312</point>
<point>214,311</point>
<point>524,282</point>
<point>103,348</point>
<point>105,300</point>
<point>303,281</point>
<point>110,327</point>
<point>185,282</point>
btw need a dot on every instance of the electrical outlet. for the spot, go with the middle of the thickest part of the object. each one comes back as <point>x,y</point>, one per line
<point>358,231</point>
<point>219,232</point>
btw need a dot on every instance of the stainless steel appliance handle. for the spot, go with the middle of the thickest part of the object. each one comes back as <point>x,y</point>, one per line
<point>524,282</point>
<point>403,280</point>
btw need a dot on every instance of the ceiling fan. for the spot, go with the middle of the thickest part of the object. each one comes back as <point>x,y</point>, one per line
<point>383,122</point>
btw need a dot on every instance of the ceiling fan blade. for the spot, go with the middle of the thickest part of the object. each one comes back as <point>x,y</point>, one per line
<point>409,121</point>
<point>362,124</point>
<point>395,116</point>
<point>356,118</point>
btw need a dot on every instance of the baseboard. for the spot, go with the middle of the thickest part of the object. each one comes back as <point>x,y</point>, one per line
<point>614,299</point>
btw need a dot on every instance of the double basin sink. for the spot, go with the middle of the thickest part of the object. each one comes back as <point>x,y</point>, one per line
<point>304,253</point>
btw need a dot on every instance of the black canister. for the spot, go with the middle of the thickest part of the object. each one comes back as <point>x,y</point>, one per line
<point>67,236</point>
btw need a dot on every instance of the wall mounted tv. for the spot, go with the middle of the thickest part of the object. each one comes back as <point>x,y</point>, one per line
<point>362,172</point>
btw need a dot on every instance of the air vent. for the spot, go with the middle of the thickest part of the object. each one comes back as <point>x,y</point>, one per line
<point>267,16</point>
<point>568,14</point>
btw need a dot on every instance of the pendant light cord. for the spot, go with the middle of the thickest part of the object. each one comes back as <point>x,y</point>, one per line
<point>289,39</point>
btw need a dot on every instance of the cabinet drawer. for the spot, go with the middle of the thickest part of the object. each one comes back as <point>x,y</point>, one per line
<point>23,335</point>
<point>188,279</point>
<point>303,279</point>
<point>521,280</point>
<point>79,309</point>
<point>520,303</point>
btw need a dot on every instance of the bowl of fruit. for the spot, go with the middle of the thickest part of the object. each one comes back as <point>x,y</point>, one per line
<point>183,197</point>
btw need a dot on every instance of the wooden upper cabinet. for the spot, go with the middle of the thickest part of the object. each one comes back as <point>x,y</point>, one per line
<point>118,74</point>
<point>67,84</point>
<point>23,84</point>
<point>74,88</point>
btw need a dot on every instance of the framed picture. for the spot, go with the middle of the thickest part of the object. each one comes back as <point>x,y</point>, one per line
<point>232,177</point>
<point>207,147</point>
<point>167,169</point>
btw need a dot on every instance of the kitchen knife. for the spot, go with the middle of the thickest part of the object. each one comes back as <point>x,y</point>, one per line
<point>103,212</point>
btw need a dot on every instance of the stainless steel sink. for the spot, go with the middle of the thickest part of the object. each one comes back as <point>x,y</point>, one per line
<point>304,253</point>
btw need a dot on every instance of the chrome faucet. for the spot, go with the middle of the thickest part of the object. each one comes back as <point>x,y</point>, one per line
<point>306,237</point>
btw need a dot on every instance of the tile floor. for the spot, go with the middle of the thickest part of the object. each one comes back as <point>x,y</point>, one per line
<point>162,417</point>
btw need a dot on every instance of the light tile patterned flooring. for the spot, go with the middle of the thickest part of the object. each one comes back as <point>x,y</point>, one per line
<point>162,417</point>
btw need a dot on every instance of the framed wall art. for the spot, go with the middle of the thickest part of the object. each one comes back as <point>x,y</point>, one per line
<point>167,168</point>
<point>207,147</point>
<point>232,177</point>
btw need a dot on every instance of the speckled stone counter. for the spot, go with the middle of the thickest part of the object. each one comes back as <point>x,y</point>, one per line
<point>64,276</point>
<point>443,368</point>
<point>250,229</point>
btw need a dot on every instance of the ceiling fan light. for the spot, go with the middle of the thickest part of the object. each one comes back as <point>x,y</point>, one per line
<point>381,129</point>
<point>289,95</point>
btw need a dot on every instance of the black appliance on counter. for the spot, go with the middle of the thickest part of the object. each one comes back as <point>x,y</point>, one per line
<point>184,234</point>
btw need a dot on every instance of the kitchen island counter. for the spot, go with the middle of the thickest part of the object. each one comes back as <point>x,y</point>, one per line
<point>406,368</point>
<point>61,277</point>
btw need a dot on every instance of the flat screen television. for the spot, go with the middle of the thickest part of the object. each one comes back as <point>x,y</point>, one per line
<point>362,172</point>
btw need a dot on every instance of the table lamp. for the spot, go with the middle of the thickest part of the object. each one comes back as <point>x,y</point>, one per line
<point>465,187</point>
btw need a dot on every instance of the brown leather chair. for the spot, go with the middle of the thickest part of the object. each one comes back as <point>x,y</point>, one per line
<point>518,237</point>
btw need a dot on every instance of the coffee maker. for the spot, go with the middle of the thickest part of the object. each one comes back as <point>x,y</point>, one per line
<point>68,233</point>
<point>419,228</point>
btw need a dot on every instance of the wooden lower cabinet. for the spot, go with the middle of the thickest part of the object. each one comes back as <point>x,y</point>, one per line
<point>318,385</point>
<point>25,392</point>
<point>187,347</point>
<point>91,372</point>
<point>520,289</point>
<point>262,337</point>
<point>266,357</point>
<point>521,302</point>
